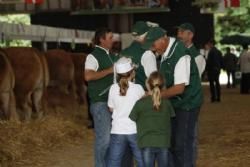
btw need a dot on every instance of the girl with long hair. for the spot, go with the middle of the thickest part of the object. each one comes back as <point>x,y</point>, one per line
<point>152,115</point>
<point>122,97</point>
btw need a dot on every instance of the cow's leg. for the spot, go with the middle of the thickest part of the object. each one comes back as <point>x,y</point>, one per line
<point>4,103</point>
<point>12,107</point>
<point>72,89</point>
<point>37,102</point>
<point>26,107</point>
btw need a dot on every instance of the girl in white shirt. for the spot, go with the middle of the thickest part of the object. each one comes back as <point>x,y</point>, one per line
<point>122,97</point>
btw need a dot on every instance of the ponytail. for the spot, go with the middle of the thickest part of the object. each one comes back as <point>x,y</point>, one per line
<point>123,81</point>
<point>123,84</point>
<point>156,97</point>
<point>154,85</point>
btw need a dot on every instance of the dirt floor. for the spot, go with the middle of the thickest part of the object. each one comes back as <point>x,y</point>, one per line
<point>224,136</point>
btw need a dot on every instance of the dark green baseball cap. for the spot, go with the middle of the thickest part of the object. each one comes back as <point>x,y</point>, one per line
<point>153,34</point>
<point>187,26</point>
<point>139,28</point>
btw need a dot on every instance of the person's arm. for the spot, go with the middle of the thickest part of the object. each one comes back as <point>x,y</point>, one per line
<point>181,78</point>
<point>148,62</point>
<point>91,67</point>
<point>173,91</point>
<point>110,99</point>
<point>110,109</point>
<point>134,113</point>
<point>94,75</point>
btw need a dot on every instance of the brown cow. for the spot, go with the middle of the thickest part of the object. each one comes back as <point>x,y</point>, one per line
<point>79,62</point>
<point>7,81</point>
<point>61,70</point>
<point>31,79</point>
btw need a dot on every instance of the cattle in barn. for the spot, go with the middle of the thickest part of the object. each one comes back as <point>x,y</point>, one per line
<point>61,70</point>
<point>79,62</point>
<point>31,77</point>
<point>7,82</point>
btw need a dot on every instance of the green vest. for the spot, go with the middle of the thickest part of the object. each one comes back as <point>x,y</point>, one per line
<point>98,89</point>
<point>135,52</point>
<point>192,96</point>
<point>193,52</point>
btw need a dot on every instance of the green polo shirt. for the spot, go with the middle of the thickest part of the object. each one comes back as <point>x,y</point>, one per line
<point>153,127</point>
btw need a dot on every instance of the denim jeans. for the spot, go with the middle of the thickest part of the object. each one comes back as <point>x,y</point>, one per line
<point>184,142</point>
<point>102,127</point>
<point>152,154</point>
<point>118,145</point>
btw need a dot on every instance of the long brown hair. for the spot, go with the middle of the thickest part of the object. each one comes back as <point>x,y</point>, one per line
<point>123,81</point>
<point>154,85</point>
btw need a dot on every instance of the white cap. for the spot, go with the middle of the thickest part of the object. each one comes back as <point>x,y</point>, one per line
<point>123,65</point>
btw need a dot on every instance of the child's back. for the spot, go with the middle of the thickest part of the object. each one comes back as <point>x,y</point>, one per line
<point>122,106</point>
<point>153,127</point>
<point>152,115</point>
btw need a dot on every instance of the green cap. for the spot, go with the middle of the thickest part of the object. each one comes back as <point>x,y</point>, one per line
<point>139,28</point>
<point>187,26</point>
<point>153,34</point>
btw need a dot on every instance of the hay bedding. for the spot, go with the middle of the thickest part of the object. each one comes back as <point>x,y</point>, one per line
<point>224,134</point>
<point>25,144</point>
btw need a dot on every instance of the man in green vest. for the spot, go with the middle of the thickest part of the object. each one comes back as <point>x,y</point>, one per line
<point>144,59</point>
<point>99,76</point>
<point>183,88</point>
<point>186,33</point>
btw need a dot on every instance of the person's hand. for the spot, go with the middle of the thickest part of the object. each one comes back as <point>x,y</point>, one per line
<point>110,69</point>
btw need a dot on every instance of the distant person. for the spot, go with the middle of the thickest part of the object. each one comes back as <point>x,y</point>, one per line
<point>244,62</point>
<point>213,68</point>
<point>152,115</point>
<point>230,64</point>
<point>122,97</point>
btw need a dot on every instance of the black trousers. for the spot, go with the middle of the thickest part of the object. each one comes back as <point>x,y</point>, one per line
<point>213,78</point>
<point>245,83</point>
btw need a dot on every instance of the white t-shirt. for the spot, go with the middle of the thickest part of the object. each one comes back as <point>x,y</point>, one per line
<point>122,106</point>
<point>182,68</point>
<point>148,62</point>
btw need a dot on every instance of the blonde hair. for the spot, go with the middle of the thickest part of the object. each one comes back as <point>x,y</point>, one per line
<point>123,81</point>
<point>154,85</point>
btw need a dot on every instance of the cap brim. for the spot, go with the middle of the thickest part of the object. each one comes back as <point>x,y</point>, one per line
<point>134,33</point>
<point>147,44</point>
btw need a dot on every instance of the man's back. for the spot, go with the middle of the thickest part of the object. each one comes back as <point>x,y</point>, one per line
<point>214,60</point>
<point>230,61</point>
